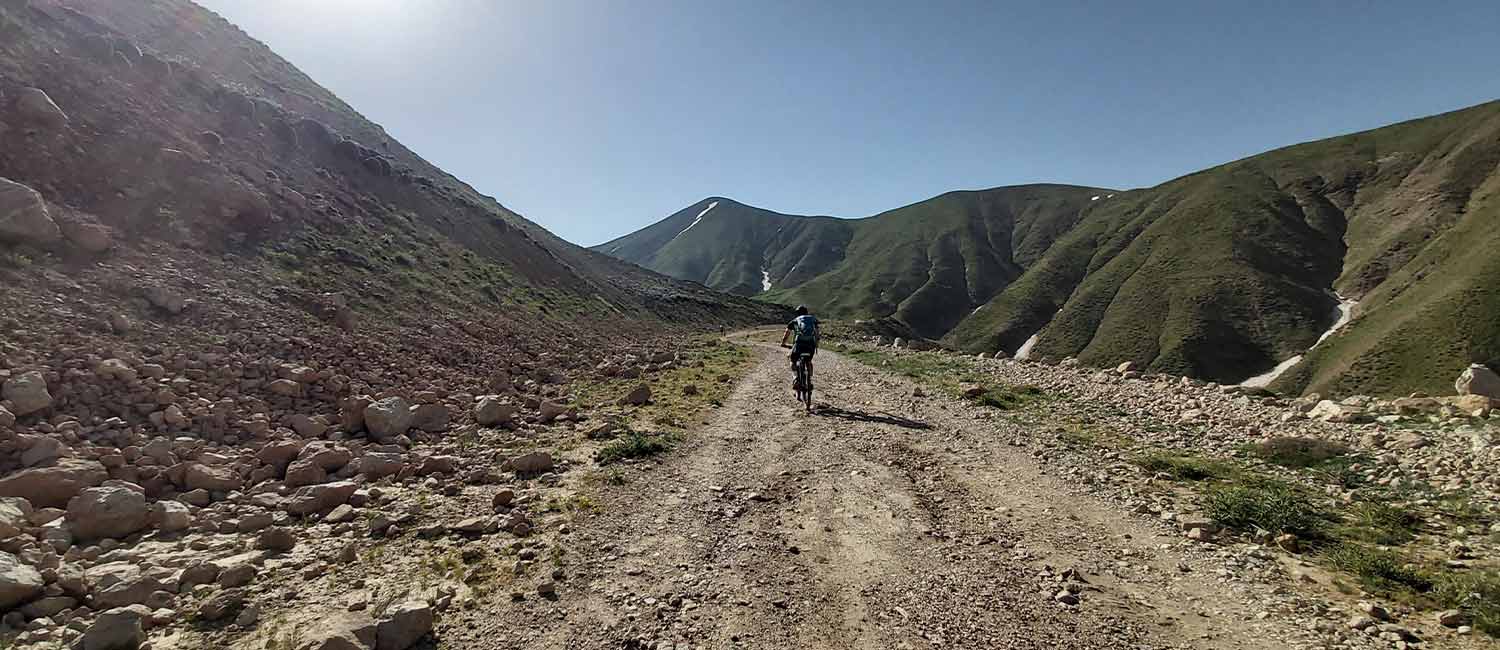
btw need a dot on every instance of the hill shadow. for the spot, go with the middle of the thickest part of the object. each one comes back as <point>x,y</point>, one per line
<point>861,416</point>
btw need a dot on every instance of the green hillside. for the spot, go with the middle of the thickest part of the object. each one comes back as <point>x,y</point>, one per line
<point>1226,272</point>
<point>928,264</point>
<point>1221,274</point>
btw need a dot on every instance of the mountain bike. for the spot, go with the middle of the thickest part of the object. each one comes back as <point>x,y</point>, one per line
<point>804,381</point>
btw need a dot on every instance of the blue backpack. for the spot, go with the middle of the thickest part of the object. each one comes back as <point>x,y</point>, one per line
<point>805,330</point>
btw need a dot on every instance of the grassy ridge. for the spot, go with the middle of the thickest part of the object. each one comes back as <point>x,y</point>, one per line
<point>1221,274</point>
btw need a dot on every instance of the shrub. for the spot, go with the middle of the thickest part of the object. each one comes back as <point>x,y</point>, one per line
<point>1299,452</point>
<point>633,445</point>
<point>1185,468</point>
<point>1266,505</point>
<point>1476,592</point>
<point>1379,571</point>
<point>1384,524</point>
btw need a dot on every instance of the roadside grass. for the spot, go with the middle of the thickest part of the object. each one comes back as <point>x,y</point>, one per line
<point>634,445</point>
<point>704,361</point>
<point>1299,453</point>
<point>1080,434</point>
<point>1380,571</point>
<point>1185,467</point>
<point>948,373</point>
<point>1261,504</point>
<point>1382,523</point>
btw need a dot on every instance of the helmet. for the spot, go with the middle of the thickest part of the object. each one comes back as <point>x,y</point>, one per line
<point>801,310</point>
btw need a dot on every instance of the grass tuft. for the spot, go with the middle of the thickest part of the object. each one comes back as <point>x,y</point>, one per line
<point>1185,468</point>
<point>633,445</point>
<point>1266,505</point>
<point>1299,453</point>
<point>1383,572</point>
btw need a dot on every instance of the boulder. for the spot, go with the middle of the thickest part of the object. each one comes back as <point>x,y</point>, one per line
<point>352,412</point>
<point>388,418</point>
<point>35,106</point>
<point>120,628</point>
<point>403,625</point>
<point>535,462</point>
<point>27,392</point>
<point>214,478</point>
<point>19,582</point>
<point>164,299</point>
<point>320,498</point>
<point>135,589</point>
<point>431,418</point>
<point>339,631</point>
<point>14,513</point>
<point>172,516</point>
<point>24,217</point>
<point>305,426</point>
<point>377,465</point>
<point>278,539</point>
<point>1478,380</point>
<point>491,410</point>
<point>637,396</point>
<point>43,451</point>
<point>279,454</point>
<point>1473,405</point>
<point>550,410</point>
<point>88,236</point>
<point>53,487</point>
<point>1331,411</point>
<point>7,419</point>
<point>108,511</point>
<point>304,472</point>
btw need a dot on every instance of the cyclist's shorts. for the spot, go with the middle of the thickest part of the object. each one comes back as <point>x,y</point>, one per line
<point>802,348</point>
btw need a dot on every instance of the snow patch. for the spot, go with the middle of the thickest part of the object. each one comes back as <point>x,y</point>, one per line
<point>695,221</point>
<point>1345,311</point>
<point>1094,197</point>
<point>765,280</point>
<point>1025,350</point>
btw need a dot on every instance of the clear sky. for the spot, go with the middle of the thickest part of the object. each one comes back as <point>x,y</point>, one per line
<point>597,117</point>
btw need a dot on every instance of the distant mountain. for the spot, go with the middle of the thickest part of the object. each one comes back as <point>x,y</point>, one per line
<point>928,264</point>
<point>1224,274</point>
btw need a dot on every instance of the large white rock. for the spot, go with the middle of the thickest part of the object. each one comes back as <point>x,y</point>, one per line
<point>24,217</point>
<point>388,418</point>
<point>109,511</point>
<point>492,410</point>
<point>19,582</point>
<point>403,625</point>
<point>1478,380</point>
<point>27,393</point>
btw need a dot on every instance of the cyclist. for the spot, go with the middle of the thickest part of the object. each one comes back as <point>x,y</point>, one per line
<point>803,333</point>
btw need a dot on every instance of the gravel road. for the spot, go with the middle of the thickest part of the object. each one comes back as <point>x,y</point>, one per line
<point>878,521</point>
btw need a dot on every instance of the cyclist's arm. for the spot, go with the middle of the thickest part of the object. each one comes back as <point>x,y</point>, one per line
<point>786,335</point>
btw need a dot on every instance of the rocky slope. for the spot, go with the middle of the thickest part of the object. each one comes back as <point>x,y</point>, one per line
<point>230,305</point>
<point>1224,274</point>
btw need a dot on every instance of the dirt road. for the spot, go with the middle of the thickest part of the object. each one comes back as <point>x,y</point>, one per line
<point>881,521</point>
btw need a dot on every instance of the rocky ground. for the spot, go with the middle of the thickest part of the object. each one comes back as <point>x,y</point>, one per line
<point>900,514</point>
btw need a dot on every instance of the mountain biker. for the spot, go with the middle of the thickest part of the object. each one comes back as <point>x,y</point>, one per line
<point>803,332</point>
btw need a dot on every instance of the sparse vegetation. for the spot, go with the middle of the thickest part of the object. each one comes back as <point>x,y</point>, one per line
<point>1383,524</point>
<point>1299,453</point>
<point>1378,570</point>
<point>633,445</point>
<point>1266,505</point>
<point>948,373</point>
<point>1185,468</point>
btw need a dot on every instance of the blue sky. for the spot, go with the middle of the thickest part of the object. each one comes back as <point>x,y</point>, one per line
<point>595,118</point>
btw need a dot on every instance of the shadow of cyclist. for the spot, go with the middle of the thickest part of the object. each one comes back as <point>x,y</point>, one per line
<point>861,416</point>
